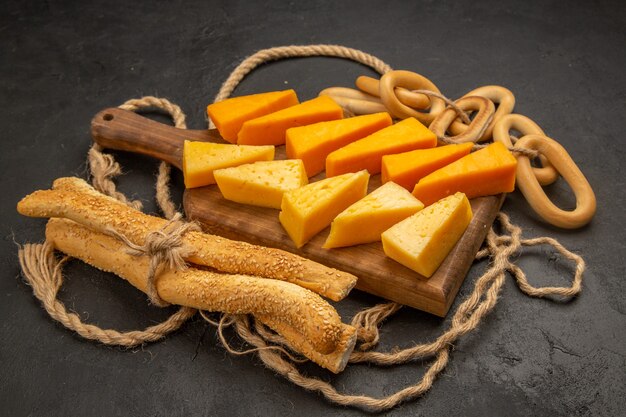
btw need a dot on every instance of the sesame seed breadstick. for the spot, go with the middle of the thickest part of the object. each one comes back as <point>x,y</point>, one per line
<point>74,199</point>
<point>310,324</point>
<point>335,361</point>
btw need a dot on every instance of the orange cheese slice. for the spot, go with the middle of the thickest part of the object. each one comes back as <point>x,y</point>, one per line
<point>314,142</point>
<point>367,153</point>
<point>200,159</point>
<point>365,220</point>
<point>488,171</point>
<point>309,209</point>
<point>270,129</point>
<point>261,183</point>
<point>421,242</point>
<point>407,168</point>
<point>230,114</point>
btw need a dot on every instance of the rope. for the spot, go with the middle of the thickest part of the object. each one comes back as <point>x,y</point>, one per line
<point>163,247</point>
<point>293,51</point>
<point>462,115</point>
<point>531,153</point>
<point>228,320</point>
<point>369,320</point>
<point>467,317</point>
<point>43,271</point>
<point>104,168</point>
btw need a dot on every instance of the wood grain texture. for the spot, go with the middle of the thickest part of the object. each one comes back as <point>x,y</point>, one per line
<point>124,130</point>
<point>378,275</point>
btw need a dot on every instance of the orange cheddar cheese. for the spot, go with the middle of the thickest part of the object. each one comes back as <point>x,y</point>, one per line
<point>365,220</point>
<point>308,210</point>
<point>488,171</point>
<point>270,129</point>
<point>421,242</point>
<point>367,153</point>
<point>200,159</point>
<point>407,168</point>
<point>230,114</point>
<point>314,142</point>
<point>261,183</point>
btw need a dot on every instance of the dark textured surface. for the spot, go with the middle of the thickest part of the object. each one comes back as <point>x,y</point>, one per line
<point>60,64</point>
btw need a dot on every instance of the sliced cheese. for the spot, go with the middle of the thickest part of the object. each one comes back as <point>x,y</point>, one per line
<point>309,209</point>
<point>200,159</point>
<point>314,142</point>
<point>421,242</point>
<point>230,114</point>
<point>261,183</point>
<point>270,129</point>
<point>407,168</point>
<point>365,220</point>
<point>367,153</point>
<point>488,171</point>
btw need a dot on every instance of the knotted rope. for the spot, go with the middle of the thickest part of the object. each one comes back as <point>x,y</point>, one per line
<point>43,272</point>
<point>163,247</point>
<point>42,269</point>
<point>449,102</point>
<point>467,317</point>
<point>531,153</point>
<point>104,168</point>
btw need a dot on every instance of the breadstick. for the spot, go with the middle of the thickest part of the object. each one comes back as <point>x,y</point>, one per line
<point>309,323</point>
<point>335,361</point>
<point>74,199</point>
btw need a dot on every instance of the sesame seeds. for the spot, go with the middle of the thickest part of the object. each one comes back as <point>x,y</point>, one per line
<point>309,319</point>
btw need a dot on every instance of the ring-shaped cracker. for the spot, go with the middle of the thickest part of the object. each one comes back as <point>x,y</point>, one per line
<point>498,95</point>
<point>485,110</point>
<point>410,81</point>
<point>563,163</point>
<point>546,174</point>
<point>354,101</point>
<point>409,98</point>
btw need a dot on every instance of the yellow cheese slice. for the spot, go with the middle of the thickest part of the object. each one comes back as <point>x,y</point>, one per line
<point>421,242</point>
<point>365,220</point>
<point>309,209</point>
<point>261,183</point>
<point>200,159</point>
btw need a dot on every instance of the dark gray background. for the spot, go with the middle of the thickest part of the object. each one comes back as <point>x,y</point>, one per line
<point>61,63</point>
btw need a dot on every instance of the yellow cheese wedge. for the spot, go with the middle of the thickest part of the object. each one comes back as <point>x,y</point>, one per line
<point>309,209</point>
<point>365,220</point>
<point>261,183</point>
<point>200,159</point>
<point>421,242</point>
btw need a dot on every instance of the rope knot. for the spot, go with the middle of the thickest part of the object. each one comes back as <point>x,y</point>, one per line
<point>368,338</point>
<point>450,103</point>
<point>367,322</point>
<point>164,247</point>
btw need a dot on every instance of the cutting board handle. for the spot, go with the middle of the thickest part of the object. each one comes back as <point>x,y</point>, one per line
<point>124,130</point>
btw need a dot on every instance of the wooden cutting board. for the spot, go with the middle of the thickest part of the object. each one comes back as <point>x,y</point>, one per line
<point>123,130</point>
